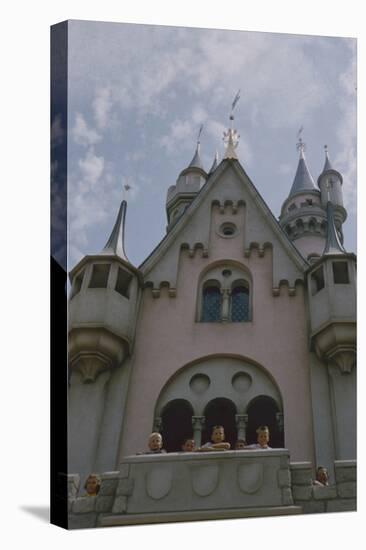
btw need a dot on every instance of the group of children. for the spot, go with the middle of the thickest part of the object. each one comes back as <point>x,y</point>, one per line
<point>217,443</point>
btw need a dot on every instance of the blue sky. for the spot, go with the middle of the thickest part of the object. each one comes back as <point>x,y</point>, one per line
<point>138,94</point>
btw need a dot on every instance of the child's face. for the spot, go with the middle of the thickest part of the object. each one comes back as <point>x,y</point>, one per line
<point>218,435</point>
<point>188,446</point>
<point>322,476</point>
<point>263,438</point>
<point>91,486</point>
<point>155,442</point>
<point>239,445</point>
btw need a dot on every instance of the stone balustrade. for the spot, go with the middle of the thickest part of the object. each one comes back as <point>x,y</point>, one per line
<point>186,486</point>
<point>213,485</point>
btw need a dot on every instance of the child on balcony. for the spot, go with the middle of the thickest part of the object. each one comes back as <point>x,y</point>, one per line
<point>322,478</point>
<point>217,442</point>
<point>92,485</point>
<point>188,445</point>
<point>262,439</point>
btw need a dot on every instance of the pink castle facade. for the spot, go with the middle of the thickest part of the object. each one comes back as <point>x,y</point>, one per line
<point>235,318</point>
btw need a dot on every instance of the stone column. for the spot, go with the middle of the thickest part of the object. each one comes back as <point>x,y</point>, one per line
<point>343,403</point>
<point>198,423</point>
<point>225,315</point>
<point>86,408</point>
<point>241,424</point>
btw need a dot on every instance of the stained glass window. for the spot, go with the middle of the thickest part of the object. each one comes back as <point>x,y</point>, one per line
<point>240,304</point>
<point>211,304</point>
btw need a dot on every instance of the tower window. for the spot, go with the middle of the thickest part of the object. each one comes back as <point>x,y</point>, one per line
<point>123,282</point>
<point>99,278</point>
<point>228,230</point>
<point>309,202</point>
<point>240,303</point>
<point>317,280</point>
<point>340,273</point>
<point>211,303</point>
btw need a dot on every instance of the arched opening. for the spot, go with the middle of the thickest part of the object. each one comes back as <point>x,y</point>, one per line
<point>176,424</point>
<point>240,301</point>
<point>211,302</point>
<point>263,410</point>
<point>312,225</point>
<point>220,411</point>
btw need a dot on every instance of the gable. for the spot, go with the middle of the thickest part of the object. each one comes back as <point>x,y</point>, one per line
<point>228,191</point>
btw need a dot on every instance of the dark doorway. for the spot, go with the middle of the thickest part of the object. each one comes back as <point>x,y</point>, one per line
<point>176,424</point>
<point>262,411</point>
<point>220,412</point>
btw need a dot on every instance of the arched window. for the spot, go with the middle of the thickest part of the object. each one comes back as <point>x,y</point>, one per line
<point>211,302</point>
<point>220,412</point>
<point>176,424</point>
<point>240,301</point>
<point>263,410</point>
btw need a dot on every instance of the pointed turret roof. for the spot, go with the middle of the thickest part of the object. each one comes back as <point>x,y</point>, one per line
<point>115,243</point>
<point>303,180</point>
<point>333,244</point>
<point>196,162</point>
<point>328,166</point>
<point>215,163</point>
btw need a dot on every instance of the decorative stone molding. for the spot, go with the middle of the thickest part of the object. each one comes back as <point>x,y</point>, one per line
<point>344,359</point>
<point>204,479</point>
<point>90,365</point>
<point>93,350</point>
<point>335,344</point>
<point>159,481</point>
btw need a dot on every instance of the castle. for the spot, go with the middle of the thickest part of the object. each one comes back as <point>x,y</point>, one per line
<point>235,318</point>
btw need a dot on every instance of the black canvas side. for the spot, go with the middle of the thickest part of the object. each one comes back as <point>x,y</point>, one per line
<point>59,274</point>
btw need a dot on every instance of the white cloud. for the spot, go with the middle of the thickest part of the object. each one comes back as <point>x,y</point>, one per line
<point>181,134</point>
<point>91,167</point>
<point>102,106</point>
<point>346,160</point>
<point>82,133</point>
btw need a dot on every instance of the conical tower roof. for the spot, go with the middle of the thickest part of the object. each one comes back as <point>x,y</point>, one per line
<point>328,167</point>
<point>196,162</point>
<point>115,243</point>
<point>215,163</point>
<point>303,180</point>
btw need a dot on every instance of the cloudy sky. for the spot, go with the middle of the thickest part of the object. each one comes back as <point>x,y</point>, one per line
<point>137,97</point>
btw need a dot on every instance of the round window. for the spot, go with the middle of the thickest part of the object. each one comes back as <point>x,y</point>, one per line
<point>228,230</point>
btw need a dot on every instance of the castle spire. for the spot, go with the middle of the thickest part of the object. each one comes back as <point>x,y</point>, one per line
<point>327,164</point>
<point>303,180</point>
<point>231,136</point>
<point>115,243</point>
<point>196,162</point>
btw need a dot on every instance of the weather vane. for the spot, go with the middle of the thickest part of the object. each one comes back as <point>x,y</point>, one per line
<point>126,188</point>
<point>300,145</point>
<point>231,136</point>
